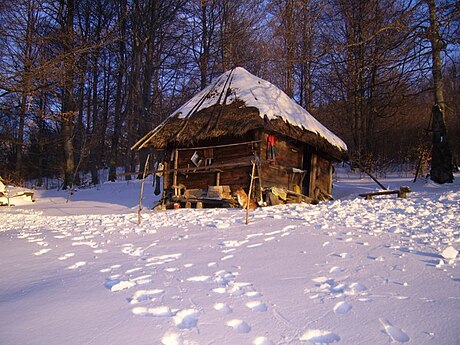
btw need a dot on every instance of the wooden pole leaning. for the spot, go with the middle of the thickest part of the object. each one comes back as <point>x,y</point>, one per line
<point>146,167</point>
<point>253,171</point>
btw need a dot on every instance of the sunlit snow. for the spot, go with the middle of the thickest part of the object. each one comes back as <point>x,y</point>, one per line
<point>261,94</point>
<point>349,271</point>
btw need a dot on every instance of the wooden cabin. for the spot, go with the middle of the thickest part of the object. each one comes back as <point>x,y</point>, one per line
<point>238,125</point>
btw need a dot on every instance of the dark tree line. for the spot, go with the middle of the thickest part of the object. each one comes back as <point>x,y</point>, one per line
<point>81,81</point>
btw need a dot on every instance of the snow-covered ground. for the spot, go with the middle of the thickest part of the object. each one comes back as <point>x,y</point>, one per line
<point>349,271</point>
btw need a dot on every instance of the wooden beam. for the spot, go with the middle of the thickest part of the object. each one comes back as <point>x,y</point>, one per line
<point>204,169</point>
<point>218,146</point>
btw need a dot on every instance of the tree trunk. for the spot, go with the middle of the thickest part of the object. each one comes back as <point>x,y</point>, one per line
<point>441,156</point>
<point>290,48</point>
<point>95,130</point>
<point>204,57</point>
<point>26,85</point>
<point>68,101</point>
<point>114,149</point>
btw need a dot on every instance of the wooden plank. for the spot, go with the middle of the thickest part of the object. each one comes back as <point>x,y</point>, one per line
<point>189,169</point>
<point>401,193</point>
<point>219,146</point>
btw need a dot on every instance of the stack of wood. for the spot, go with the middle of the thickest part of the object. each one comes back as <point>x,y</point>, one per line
<point>321,195</point>
<point>219,192</point>
<point>279,196</point>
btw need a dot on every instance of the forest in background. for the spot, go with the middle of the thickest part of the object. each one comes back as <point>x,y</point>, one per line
<point>81,81</point>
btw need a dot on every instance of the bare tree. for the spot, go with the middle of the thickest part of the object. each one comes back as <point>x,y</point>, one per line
<point>441,156</point>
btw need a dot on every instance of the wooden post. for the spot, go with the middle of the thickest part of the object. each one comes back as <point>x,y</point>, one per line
<point>146,167</point>
<point>176,162</point>
<point>313,169</point>
<point>261,188</point>
<point>329,184</point>
<point>250,190</point>
<point>166,176</point>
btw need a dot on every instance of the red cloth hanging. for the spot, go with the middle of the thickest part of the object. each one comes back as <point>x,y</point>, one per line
<point>271,150</point>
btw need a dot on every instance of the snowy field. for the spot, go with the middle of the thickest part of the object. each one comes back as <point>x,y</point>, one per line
<point>349,271</point>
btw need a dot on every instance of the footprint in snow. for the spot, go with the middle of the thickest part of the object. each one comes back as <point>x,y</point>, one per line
<point>109,269</point>
<point>342,308</point>
<point>144,295</point>
<point>239,325</point>
<point>276,232</point>
<point>223,308</point>
<point>219,290</point>
<point>357,288</point>
<point>253,294</point>
<point>336,270</point>
<point>257,306</point>
<point>227,257</point>
<point>66,256</point>
<point>288,228</point>
<point>162,311</point>
<point>41,252</point>
<point>186,318</point>
<point>171,269</point>
<point>145,279</point>
<point>199,279</point>
<point>115,285</point>
<point>100,251</point>
<point>262,341</point>
<point>171,338</point>
<point>77,265</point>
<point>395,333</point>
<point>319,336</point>
<point>35,240</point>
<point>232,243</point>
<point>254,245</point>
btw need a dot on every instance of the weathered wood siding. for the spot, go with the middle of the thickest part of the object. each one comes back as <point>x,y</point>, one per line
<point>320,175</point>
<point>232,176</point>
<point>289,155</point>
<point>324,175</point>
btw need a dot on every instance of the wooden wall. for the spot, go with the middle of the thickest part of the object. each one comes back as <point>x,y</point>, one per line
<point>233,176</point>
<point>289,155</point>
<point>277,172</point>
<point>320,176</point>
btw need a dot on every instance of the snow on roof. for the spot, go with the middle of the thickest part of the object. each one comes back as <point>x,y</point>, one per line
<point>261,94</point>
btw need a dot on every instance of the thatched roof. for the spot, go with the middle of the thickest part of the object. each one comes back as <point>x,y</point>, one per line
<point>234,104</point>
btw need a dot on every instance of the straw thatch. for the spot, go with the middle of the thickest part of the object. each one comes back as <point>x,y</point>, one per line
<point>233,120</point>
